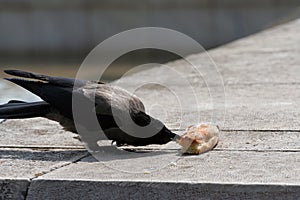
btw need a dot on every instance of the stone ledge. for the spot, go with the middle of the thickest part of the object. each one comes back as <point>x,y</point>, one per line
<point>14,188</point>
<point>258,156</point>
<point>158,190</point>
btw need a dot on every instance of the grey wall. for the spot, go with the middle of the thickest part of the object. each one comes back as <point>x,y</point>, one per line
<point>36,27</point>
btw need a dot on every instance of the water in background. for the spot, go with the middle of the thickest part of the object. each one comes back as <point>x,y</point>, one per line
<point>54,37</point>
<point>10,91</point>
<point>69,69</point>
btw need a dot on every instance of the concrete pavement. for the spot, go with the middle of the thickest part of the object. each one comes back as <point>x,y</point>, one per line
<point>258,156</point>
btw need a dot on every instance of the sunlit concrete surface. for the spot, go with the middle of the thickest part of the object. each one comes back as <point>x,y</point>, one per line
<point>258,156</point>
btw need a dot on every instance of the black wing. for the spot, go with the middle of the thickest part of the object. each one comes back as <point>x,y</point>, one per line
<point>59,91</point>
<point>93,97</point>
<point>56,91</point>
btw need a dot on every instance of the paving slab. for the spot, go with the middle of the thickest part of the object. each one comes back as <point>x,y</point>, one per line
<point>49,135</point>
<point>251,107</point>
<point>19,166</point>
<point>36,132</point>
<point>270,56</point>
<point>27,163</point>
<point>237,174</point>
<point>262,141</point>
<point>253,164</point>
<point>77,189</point>
<point>215,166</point>
<point>259,141</point>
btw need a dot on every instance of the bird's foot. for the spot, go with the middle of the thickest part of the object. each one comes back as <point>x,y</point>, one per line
<point>2,120</point>
<point>118,143</point>
<point>77,138</point>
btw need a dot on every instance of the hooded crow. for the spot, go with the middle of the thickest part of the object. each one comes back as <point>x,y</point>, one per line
<point>98,98</point>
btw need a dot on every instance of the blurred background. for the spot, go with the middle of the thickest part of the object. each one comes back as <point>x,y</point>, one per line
<point>53,37</point>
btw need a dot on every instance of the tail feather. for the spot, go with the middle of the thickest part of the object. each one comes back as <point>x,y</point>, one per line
<point>59,97</point>
<point>54,80</point>
<point>19,109</point>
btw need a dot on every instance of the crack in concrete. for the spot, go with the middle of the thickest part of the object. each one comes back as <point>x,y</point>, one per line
<point>52,170</point>
<point>258,150</point>
<point>260,130</point>
<point>261,83</point>
<point>250,130</point>
<point>41,147</point>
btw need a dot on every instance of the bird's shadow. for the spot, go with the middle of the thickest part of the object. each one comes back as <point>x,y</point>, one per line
<point>105,153</point>
<point>109,153</point>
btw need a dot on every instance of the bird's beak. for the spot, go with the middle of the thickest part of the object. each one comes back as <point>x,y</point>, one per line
<point>176,138</point>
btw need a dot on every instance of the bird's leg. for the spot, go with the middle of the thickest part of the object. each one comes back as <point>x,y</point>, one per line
<point>117,143</point>
<point>77,138</point>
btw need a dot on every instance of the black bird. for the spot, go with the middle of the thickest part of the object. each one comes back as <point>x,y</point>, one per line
<point>58,94</point>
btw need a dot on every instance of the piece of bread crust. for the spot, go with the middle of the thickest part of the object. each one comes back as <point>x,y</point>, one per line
<point>199,139</point>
